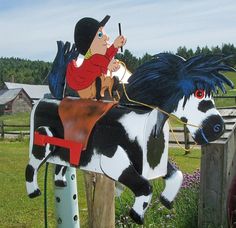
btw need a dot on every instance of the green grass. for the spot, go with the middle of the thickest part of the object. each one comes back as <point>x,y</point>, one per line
<point>16,119</point>
<point>17,210</point>
<point>227,102</point>
<point>186,163</point>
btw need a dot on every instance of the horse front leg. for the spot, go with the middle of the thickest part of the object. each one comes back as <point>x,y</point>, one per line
<point>59,176</point>
<point>173,182</point>
<point>38,156</point>
<point>120,168</point>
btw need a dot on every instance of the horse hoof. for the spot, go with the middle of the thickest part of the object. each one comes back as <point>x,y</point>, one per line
<point>35,194</point>
<point>60,183</point>
<point>165,202</point>
<point>136,217</point>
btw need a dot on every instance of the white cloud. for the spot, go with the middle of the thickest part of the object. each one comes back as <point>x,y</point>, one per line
<point>31,30</point>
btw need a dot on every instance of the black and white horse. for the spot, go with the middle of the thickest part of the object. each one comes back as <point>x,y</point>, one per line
<point>130,143</point>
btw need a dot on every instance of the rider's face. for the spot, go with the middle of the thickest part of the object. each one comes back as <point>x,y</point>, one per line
<point>100,42</point>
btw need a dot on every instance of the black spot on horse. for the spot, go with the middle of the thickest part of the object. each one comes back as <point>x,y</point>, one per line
<point>171,169</point>
<point>204,106</point>
<point>58,169</point>
<point>64,170</point>
<point>155,147</point>
<point>145,205</point>
<point>138,184</point>
<point>29,173</point>
<point>62,153</point>
<point>39,152</point>
<point>184,119</point>
<point>35,193</point>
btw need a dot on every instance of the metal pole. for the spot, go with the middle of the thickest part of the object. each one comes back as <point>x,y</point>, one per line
<point>67,211</point>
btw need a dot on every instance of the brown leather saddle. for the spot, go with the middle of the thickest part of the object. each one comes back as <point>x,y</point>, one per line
<point>79,116</point>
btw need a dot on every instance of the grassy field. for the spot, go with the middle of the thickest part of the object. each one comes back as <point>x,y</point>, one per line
<point>17,210</point>
<point>225,102</point>
<point>16,119</point>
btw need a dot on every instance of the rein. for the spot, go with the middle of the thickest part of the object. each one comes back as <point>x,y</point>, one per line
<point>160,110</point>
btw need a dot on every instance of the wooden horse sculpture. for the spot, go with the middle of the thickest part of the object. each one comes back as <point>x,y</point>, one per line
<point>130,143</point>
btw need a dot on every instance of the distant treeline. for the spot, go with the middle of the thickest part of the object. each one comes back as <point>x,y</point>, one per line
<point>35,72</point>
<point>133,62</point>
<point>24,71</point>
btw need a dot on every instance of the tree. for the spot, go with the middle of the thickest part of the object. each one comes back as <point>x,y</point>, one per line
<point>182,51</point>
<point>130,61</point>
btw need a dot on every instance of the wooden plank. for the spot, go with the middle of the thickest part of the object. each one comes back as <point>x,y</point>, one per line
<point>212,166</point>
<point>2,130</point>
<point>226,135</point>
<point>229,127</point>
<point>16,126</point>
<point>218,168</point>
<point>100,192</point>
<point>16,133</point>
<point>228,112</point>
<point>230,121</point>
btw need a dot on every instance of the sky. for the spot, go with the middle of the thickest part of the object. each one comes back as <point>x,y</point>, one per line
<point>29,29</point>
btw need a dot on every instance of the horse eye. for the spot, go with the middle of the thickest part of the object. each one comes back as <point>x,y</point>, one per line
<point>100,34</point>
<point>200,93</point>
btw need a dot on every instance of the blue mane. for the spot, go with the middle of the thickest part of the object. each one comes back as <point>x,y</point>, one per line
<point>167,78</point>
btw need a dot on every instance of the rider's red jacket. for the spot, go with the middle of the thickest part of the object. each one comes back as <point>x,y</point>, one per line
<point>81,77</point>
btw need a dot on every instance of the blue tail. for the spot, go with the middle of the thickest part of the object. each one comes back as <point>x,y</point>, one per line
<point>56,77</point>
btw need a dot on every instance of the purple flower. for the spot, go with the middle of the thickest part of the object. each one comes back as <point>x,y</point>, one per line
<point>191,180</point>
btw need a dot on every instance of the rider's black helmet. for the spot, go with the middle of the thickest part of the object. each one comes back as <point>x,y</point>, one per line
<point>85,31</point>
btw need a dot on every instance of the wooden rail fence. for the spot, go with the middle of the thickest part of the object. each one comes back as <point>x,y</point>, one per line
<point>181,133</point>
<point>4,131</point>
<point>226,97</point>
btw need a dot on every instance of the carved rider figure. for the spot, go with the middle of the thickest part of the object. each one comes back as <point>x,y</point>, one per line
<point>90,79</point>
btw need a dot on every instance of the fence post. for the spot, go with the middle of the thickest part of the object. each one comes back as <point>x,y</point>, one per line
<point>2,130</point>
<point>186,139</point>
<point>100,192</point>
<point>218,170</point>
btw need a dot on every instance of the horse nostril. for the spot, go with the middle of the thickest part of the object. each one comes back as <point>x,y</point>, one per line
<point>217,128</point>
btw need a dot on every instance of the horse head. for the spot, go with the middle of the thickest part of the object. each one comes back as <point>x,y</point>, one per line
<point>183,88</point>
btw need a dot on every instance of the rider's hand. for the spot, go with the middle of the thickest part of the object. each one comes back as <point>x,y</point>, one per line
<point>113,65</point>
<point>119,41</point>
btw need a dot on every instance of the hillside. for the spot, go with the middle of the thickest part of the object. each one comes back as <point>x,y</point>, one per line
<point>24,71</point>
<point>35,72</point>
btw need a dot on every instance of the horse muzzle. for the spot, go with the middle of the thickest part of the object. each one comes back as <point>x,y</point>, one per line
<point>211,129</point>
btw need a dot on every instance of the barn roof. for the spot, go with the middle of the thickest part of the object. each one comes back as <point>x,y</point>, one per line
<point>8,95</point>
<point>35,92</point>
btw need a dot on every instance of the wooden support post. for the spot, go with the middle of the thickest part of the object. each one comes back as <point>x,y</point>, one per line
<point>100,192</point>
<point>218,170</point>
<point>2,130</point>
<point>186,139</point>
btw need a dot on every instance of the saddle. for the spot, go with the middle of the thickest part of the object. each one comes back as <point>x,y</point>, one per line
<point>79,116</point>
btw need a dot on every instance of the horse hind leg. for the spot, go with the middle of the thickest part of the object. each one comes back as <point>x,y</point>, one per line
<point>119,168</point>
<point>38,156</point>
<point>173,182</point>
<point>59,176</point>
